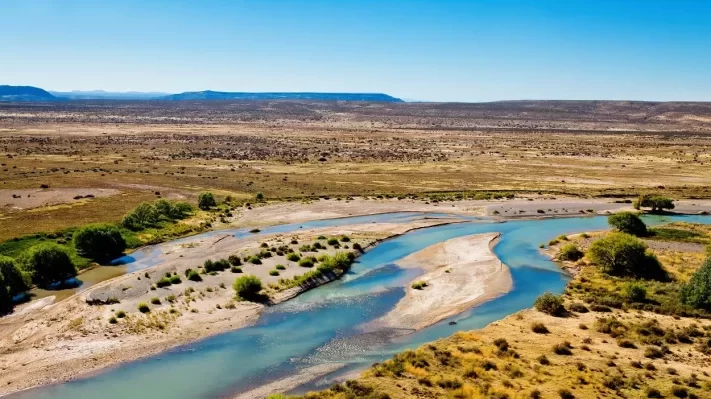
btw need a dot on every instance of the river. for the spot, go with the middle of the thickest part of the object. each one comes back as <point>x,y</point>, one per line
<point>325,324</point>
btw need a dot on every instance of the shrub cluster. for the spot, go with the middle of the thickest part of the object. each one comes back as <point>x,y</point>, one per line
<point>99,241</point>
<point>621,254</point>
<point>570,252</point>
<point>656,202</point>
<point>206,201</point>
<point>628,222</point>
<point>697,292</point>
<point>48,264</point>
<point>550,304</point>
<point>247,287</point>
<point>147,214</point>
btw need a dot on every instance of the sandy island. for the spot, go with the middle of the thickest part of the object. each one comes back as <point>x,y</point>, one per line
<point>460,273</point>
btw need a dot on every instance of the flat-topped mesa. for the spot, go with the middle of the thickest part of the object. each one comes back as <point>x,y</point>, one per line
<point>220,95</point>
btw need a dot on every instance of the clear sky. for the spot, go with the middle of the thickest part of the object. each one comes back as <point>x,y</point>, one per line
<point>476,50</point>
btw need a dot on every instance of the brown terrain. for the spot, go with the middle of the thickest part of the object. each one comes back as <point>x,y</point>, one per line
<point>66,164</point>
<point>289,149</point>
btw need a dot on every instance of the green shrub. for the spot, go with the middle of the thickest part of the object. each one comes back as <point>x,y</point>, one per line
<point>155,301</point>
<point>216,266</point>
<point>100,242</point>
<point>274,272</point>
<point>293,256</point>
<point>307,261</point>
<point>235,269</point>
<point>621,254</point>
<point>15,280</point>
<point>175,279</point>
<point>234,260</point>
<point>247,287</point>
<point>206,201</point>
<point>143,308</point>
<point>259,197</point>
<point>418,285</point>
<point>628,222</point>
<point>570,252</point>
<point>163,282</point>
<point>280,267</point>
<point>142,216</point>
<point>345,239</point>
<point>112,320</point>
<point>193,275</point>
<point>47,264</point>
<point>180,210</point>
<point>550,304</point>
<point>635,292</point>
<point>332,241</point>
<point>255,260</point>
<point>697,292</point>
<point>120,314</point>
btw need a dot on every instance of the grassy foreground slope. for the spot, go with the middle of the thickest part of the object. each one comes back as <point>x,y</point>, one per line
<point>606,342</point>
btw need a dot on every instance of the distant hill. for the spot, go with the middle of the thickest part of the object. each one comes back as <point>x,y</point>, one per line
<point>217,95</point>
<point>24,93</point>
<point>107,95</point>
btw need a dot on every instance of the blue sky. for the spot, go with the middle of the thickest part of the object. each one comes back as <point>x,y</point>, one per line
<point>477,50</point>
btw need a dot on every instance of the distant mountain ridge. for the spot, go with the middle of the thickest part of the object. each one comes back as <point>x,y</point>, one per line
<point>218,95</point>
<point>107,95</point>
<point>35,94</point>
<point>24,94</point>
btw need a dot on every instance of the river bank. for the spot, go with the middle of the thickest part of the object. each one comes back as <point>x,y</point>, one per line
<point>75,337</point>
<point>45,343</point>
<point>624,348</point>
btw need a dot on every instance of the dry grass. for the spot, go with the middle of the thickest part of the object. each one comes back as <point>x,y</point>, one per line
<point>588,354</point>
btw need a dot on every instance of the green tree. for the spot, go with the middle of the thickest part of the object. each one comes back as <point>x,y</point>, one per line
<point>622,254</point>
<point>247,287</point>
<point>259,197</point>
<point>656,202</point>
<point>697,292</point>
<point>180,210</point>
<point>48,264</point>
<point>142,216</point>
<point>628,222</point>
<point>16,281</point>
<point>206,200</point>
<point>100,242</point>
<point>164,208</point>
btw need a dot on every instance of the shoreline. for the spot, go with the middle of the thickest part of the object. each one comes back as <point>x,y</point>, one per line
<point>89,362</point>
<point>102,354</point>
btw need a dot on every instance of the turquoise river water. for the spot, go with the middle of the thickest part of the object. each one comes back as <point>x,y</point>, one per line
<point>325,325</point>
